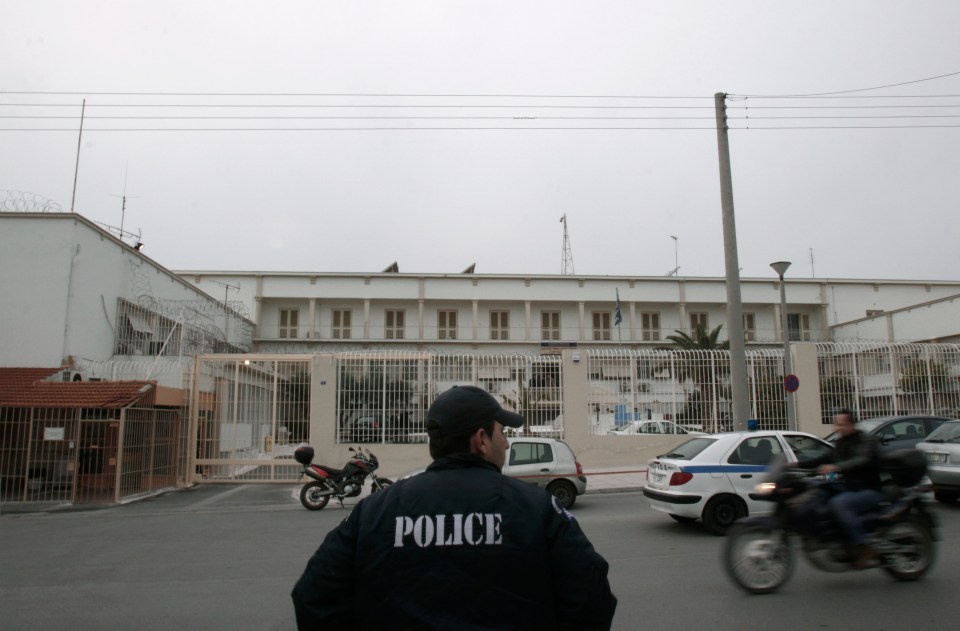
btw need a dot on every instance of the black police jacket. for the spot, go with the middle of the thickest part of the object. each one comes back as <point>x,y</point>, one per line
<point>460,546</point>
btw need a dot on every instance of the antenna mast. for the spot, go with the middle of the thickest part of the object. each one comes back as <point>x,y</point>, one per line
<point>566,265</point>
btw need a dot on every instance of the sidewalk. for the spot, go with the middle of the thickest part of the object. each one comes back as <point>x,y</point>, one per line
<point>614,479</point>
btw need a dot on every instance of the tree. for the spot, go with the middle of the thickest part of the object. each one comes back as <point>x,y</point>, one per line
<point>690,353</point>
<point>836,393</point>
<point>924,384</point>
<point>700,340</point>
<point>917,379</point>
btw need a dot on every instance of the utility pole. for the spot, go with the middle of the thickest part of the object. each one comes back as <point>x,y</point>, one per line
<point>226,310</point>
<point>566,264</point>
<point>76,169</point>
<point>738,358</point>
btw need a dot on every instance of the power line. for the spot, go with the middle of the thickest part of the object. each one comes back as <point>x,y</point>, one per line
<point>359,106</point>
<point>359,95</point>
<point>879,87</point>
<point>233,129</point>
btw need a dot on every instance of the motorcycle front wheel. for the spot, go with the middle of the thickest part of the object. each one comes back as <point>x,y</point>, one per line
<point>913,552</point>
<point>380,484</point>
<point>310,496</point>
<point>757,558</point>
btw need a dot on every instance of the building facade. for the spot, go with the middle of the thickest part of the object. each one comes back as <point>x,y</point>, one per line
<point>314,312</point>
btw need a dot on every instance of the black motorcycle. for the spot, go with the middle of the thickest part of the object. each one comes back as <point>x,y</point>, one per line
<point>326,482</point>
<point>759,554</point>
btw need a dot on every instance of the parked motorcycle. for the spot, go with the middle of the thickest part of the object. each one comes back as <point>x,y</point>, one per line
<point>326,482</point>
<point>759,552</point>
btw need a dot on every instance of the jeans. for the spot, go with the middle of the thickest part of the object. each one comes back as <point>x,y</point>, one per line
<point>847,508</point>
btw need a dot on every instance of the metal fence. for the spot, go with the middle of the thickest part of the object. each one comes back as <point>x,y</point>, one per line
<point>882,379</point>
<point>658,391</point>
<point>89,456</point>
<point>383,397</point>
<point>249,414</point>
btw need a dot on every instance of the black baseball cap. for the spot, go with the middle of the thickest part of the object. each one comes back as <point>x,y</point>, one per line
<point>462,408</point>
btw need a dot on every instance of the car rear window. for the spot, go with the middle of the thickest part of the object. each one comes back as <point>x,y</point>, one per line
<point>689,449</point>
<point>946,433</point>
<point>530,453</point>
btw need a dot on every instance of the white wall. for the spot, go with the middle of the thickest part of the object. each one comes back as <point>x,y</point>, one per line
<point>61,277</point>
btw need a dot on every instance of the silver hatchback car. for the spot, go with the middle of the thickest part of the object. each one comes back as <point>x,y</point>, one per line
<point>942,449</point>
<point>547,462</point>
<point>550,464</point>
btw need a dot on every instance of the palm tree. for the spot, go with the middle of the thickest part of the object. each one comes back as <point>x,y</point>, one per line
<point>689,364</point>
<point>700,340</point>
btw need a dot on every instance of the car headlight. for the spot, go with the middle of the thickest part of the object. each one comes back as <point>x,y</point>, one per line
<point>765,488</point>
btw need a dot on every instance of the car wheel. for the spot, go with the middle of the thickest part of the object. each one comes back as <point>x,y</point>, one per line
<point>721,512</point>
<point>682,519</point>
<point>947,497</point>
<point>564,492</point>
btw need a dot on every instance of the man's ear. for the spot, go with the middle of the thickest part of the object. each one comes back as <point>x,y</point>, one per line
<point>479,443</point>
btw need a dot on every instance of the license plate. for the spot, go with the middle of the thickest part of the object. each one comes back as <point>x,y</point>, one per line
<point>936,458</point>
<point>657,477</point>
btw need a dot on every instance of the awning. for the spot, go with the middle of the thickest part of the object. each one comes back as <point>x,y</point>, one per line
<point>140,323</point>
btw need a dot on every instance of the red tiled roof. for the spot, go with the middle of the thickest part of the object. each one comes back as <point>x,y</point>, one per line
<point>13,380</point>
<point>24,387</point>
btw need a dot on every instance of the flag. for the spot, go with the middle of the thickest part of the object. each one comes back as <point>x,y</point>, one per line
<point>617,318</point>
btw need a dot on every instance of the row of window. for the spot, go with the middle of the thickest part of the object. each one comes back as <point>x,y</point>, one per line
<point>394,325</point>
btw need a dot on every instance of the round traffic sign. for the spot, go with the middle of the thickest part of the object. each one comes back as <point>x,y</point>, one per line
<point>791,383</point>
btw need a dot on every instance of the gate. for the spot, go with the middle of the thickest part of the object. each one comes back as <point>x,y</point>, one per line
<point>249,413</point>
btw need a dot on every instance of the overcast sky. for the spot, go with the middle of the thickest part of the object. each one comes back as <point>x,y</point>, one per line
<point>520,88</point>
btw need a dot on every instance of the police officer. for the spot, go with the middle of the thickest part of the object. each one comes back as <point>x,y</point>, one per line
<point>460,546</point>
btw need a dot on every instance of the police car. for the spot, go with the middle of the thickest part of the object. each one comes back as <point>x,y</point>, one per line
<point>713,477</point>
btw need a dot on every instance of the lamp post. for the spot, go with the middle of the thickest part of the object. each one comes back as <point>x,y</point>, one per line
<point>780,267</point>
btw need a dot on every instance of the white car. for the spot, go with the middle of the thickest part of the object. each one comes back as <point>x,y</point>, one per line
<point>713,477</point>
<point>547,462</point>
<point>653,427</point>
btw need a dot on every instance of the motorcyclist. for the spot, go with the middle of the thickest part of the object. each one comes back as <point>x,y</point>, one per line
<point>856,457</point>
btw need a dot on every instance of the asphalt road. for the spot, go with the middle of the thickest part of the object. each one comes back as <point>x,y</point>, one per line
<point>225,557</point>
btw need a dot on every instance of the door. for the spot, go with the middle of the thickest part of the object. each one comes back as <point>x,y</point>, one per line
<point>749,461</point>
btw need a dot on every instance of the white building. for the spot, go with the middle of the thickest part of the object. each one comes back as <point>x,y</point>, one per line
<point>312,312</point>
<point>77,297</point>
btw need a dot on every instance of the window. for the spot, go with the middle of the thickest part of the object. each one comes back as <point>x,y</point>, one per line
<point>447,325</point>
<point>394,324</point>
<point>698,319</point>
<point>550,325</point>
<point>499,325</point>
<point>530,453</point>
<point>755,451</point>
<point>341,324</point>
<point>749,328</point>
<point>799,326</point>
<point>650,325</point>
<point>601,325</point>
<point>289,323</point>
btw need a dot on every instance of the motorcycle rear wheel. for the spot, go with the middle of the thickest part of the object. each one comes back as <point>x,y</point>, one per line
<point>310,496</point>
<point>916,551</point>
<point>757,558</point>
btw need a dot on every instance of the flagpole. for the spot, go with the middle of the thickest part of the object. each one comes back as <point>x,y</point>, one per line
<point>618,318</point>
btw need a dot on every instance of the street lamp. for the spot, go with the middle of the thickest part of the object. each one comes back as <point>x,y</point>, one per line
<point>780,267</point>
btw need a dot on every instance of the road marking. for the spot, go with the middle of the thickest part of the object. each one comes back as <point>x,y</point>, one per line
<point>216,498</point>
